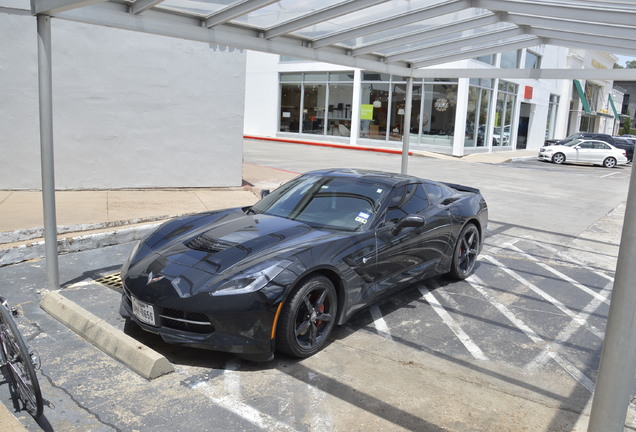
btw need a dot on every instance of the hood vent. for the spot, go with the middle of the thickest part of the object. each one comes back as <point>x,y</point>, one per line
<point>208,244</point>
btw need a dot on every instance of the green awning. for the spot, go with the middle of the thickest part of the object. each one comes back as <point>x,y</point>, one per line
<point>579,89</point>
<point>616,116</point>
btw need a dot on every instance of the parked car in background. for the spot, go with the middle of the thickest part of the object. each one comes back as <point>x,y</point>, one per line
<point>584,151</point>
<point>627,144</point>
<point>581,135</point>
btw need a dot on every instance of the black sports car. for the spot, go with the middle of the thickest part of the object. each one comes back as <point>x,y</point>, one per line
<point>280,274</point>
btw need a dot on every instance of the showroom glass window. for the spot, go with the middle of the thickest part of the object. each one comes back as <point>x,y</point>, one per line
<point>290,102</point>
<point>317,103</point>
<point>339,104</point>
<point>506,100</point>
<point>374,105</point>
<point>383,109</point>
<point>439,108</point>
<point>479,95</point>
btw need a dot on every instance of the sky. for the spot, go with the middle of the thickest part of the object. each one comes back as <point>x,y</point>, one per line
<point>623,59</point>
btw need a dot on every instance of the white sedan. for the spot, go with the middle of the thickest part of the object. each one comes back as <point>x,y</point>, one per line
<point>584,151</point>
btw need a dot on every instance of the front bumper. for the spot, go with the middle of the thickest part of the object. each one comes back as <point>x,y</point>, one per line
<point>246,332</point>
<point>545,156</point>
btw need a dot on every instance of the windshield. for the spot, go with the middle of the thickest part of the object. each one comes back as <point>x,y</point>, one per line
<point>343,203</point>
<point>572,143</point>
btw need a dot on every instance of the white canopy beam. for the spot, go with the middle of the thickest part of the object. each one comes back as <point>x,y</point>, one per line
<point>236,10</point>
<point>447,7</point>
<point>605,30</point>
<point>528,41</point>
<point>320,16</point>
<point>493,72</point>
<point>615,13</point>
<point>156,21</point>
<point>457,44</point>
<point>429,33</point>
<point>141,5</point>
<point>51,7</point>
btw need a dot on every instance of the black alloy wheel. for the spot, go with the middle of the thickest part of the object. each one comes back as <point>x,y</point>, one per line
<point>558,158</point>
<point>307,318</point>
<point>609,162</point>
<point>465,253</point>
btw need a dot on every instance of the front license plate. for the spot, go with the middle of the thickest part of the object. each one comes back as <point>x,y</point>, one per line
<point>143,311</point>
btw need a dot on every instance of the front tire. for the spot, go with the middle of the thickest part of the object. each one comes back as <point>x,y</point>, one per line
<point>18,361</point>
<point>465,253</point>
<point>558,158</point>
<point>609,162</point>
<point>307,318</point>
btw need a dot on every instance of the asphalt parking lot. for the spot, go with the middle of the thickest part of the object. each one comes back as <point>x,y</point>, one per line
<point>514,347</point>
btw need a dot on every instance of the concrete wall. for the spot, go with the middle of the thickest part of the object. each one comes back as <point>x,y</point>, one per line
<point>130,109</point>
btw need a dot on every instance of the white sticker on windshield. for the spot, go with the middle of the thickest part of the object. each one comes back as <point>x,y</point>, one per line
<point>379,191</point>
<point>364,215</point>
<point>361,220</point>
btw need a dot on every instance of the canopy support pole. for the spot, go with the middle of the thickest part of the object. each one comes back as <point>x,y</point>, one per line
<point>614,383</point>
<point>46,150</point>
<point>406,126</point>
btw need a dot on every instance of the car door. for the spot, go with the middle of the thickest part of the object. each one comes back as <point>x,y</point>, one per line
<point>585,152</point>
<point>412,252</point>
<point>601,151</point>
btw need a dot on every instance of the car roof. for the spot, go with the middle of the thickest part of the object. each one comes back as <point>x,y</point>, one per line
<point>379,176</point>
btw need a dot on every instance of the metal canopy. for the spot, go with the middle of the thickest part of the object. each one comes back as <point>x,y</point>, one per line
<point>391,36</point>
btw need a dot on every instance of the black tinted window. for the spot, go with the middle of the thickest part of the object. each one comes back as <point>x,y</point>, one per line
<point>334,202</point>
<point>435,192</point>
<point>406,200</point>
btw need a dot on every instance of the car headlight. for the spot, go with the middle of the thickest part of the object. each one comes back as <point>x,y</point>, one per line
<point>253,281</point>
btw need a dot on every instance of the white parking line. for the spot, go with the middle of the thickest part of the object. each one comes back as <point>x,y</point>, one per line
<point>228,397</point>
<point>571,259</point>
<point>561,275</point>
<point>559,305</point>
<point>568,331</point>
<point>610,174</point>
<point>480,287</point>
<point>474,350</point>
<point>379,323</point>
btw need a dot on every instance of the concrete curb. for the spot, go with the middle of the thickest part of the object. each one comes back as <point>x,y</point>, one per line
<point>26,252</point>
<point>138,357</point>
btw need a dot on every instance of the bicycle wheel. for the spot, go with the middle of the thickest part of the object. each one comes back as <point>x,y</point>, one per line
<point>18,361</point>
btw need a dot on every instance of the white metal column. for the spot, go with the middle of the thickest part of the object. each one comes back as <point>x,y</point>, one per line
<point>46,150</point>
<point>406,127</point>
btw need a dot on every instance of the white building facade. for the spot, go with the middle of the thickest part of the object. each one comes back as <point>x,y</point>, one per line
<point>293,99</point>
<point>130,110</point>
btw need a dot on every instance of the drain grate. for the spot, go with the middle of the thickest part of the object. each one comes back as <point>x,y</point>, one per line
<point>111,281</point>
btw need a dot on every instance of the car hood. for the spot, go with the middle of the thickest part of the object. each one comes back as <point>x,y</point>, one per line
<point>235,240</point>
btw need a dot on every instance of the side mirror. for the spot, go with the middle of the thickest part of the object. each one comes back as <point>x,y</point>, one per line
<point>408,221</point>
<point>576,147</point>
<point>264,193</point>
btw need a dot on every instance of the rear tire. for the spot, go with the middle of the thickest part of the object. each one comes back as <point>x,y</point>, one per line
<point>465,253</point>
<point>609,162</point>
<point>307,318</point>
<point>558,158</point>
